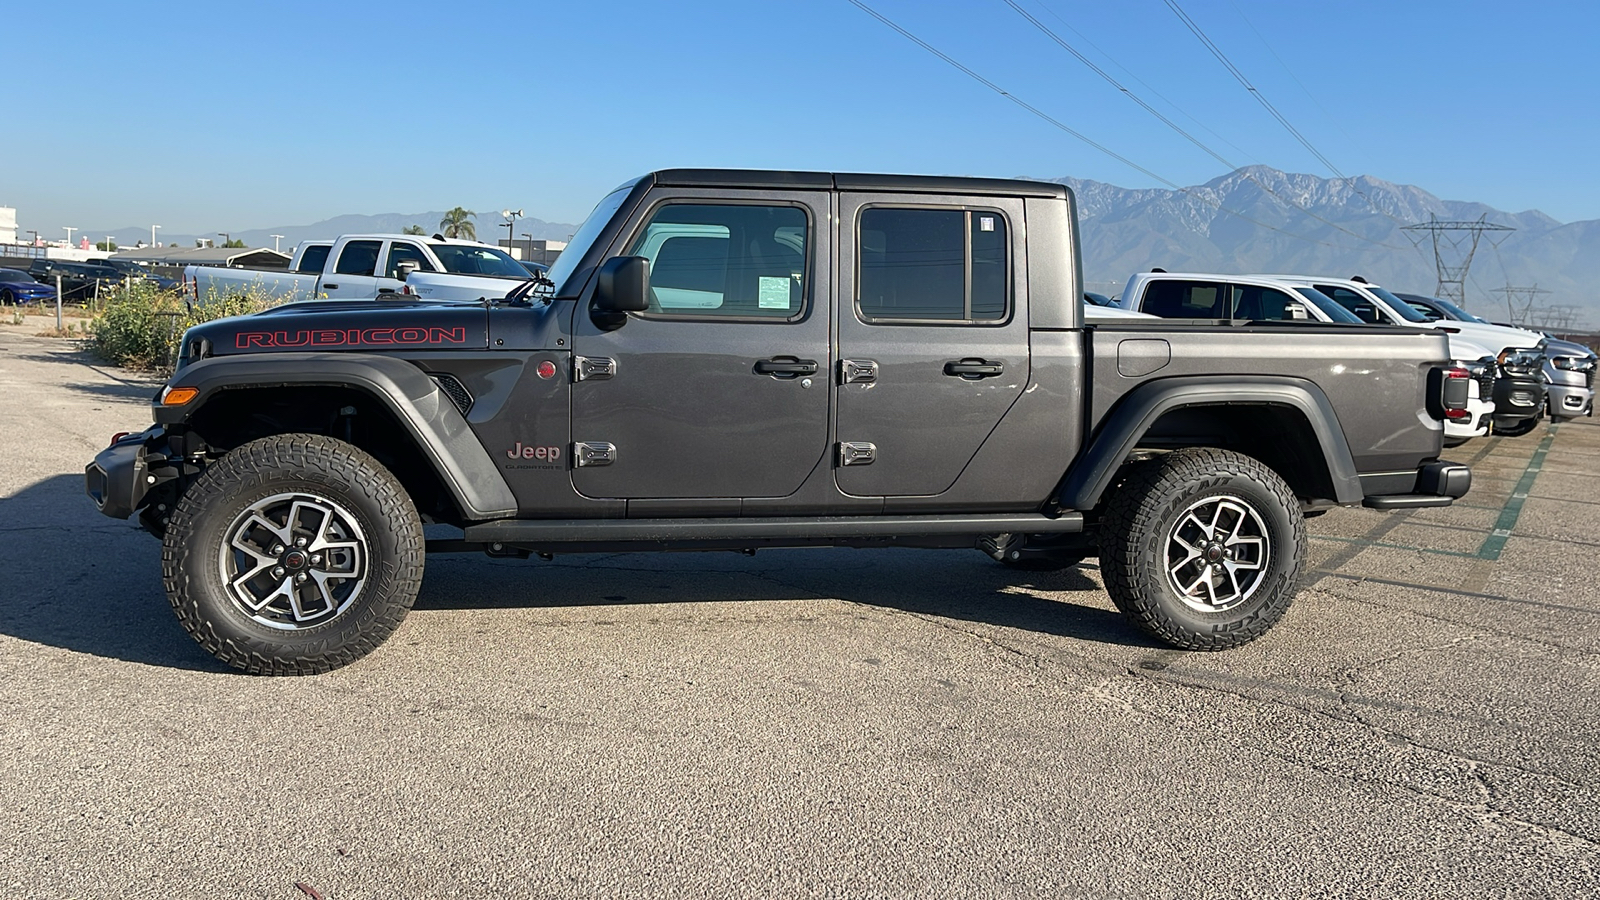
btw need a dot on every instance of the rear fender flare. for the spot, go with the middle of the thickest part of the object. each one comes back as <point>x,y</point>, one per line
<point>1087,480</point>
<point>416,402</point>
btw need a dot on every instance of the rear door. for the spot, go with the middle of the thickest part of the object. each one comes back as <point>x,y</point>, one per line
<point>720,388</point>
<point>355,272</point>
<point>933,336</point>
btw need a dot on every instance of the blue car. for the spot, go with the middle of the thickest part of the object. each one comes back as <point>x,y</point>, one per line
<point>17,286</point>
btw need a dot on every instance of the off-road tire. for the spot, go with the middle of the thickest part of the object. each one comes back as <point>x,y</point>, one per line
<point>272,467</point>
<point>1140,521</point>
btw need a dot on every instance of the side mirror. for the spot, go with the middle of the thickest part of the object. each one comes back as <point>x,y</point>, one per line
<point>404,268</point>
<point>1293,310</point>
<point>623,285</point>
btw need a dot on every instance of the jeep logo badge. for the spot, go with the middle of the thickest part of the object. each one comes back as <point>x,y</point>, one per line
<point>524,451</point>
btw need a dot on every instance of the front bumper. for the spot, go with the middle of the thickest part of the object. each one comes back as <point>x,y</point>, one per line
<point>1569,402</point>
<point>1439,483</point>
<point>1518,398</point>
<point>119,478</point>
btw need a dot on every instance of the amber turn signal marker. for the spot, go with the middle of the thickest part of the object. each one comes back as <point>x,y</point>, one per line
<point>179,396</point>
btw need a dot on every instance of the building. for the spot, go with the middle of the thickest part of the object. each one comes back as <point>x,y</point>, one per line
<point>542,252</point>
<point>8,225</point>
<point>235,257</point>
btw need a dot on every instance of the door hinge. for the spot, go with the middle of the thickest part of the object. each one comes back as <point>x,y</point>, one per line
<point>857,453</point>
<point>593,368</point>
<point>593,453</point>
<point>857,371</point>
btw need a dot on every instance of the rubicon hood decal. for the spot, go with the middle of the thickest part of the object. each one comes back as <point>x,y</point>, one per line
<point>373,325</point>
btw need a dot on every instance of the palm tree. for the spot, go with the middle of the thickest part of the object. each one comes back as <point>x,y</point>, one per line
<point>456,225</point>
<point>413,229</point>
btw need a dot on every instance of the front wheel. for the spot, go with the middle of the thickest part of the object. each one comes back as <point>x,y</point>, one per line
<point>293,555</point>
<point>7,298</point>
<point>1203,548</point>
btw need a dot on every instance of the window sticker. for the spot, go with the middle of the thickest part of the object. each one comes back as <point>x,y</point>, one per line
<point>773,292</point>
<point>986,223</point>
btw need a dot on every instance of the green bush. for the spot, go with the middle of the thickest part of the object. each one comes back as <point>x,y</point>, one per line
<point>141,325</point>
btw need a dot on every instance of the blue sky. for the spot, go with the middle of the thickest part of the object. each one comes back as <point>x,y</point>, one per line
<point>221,117</point>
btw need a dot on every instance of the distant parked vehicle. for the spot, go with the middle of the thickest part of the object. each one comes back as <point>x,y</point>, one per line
<point>132,268</point>
<point>1568,368</point>
<point>362,266</point>
<point>537,270</point>
<point>79,280</point>
<point>1096,299</point>
<point>17,287</point>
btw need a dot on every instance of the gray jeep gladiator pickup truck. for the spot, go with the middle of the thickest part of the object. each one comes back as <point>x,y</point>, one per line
<point>741,360</point>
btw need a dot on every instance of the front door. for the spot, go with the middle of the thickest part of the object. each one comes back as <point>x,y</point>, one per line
<point>933,336</point>
<point>721,388</point>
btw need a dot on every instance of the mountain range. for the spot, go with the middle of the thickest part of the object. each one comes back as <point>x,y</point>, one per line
<point>1254,219</point>
<point>1259,219</point>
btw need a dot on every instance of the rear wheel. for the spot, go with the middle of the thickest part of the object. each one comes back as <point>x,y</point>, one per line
<point>293,554</point>
<point>1203,548</point>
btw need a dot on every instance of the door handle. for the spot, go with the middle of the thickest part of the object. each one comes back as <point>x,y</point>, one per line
<point>330,287</point>
<point>974,368</point>
<point>786,366</point>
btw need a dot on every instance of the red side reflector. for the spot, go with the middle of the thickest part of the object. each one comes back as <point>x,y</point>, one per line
<point>1457,414</point>
<point>1457,372</point>
<point>119,436</point>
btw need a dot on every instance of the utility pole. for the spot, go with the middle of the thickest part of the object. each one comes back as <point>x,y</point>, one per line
<point>1453,273</point>
<point>153,235</point>
<point>275,239</point>
<point>511,226</point>
<point>1526,294</point>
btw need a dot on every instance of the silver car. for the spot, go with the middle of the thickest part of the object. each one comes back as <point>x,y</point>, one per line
<point>1569,377</point>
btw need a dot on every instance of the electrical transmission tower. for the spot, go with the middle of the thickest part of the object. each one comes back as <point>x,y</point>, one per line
<point>1456,235</point>
<point>1527,295</point>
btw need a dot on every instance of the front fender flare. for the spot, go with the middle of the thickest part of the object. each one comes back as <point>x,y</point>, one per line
<point>416,402</point>
<point>1092,473</point>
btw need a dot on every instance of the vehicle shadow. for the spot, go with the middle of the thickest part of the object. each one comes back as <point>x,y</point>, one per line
<point>960,586</point>
<point>85,583</point>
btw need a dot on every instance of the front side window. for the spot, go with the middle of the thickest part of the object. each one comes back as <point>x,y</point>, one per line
<point>941,265</point>
<point>399,253</point>
<point>359,258</point>
<point>1363,308</point>
<point>725,260</point>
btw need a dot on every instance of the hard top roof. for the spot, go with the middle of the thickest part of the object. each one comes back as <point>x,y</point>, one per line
<point>913,184</point>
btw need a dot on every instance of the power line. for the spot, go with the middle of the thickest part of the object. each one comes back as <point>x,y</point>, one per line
<point>859,4</point>
<point>1062,43</point>
<point>1261,98</point>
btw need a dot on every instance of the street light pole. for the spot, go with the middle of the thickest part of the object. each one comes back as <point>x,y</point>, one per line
<point>153,235</point>
<point>69,229</point>
<point>226,238</point>
<point>275,239</point>
<point>511,226</point>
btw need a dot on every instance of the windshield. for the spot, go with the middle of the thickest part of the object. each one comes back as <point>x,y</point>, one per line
<point>578,246</point>
<point>1400,307</point>
<point>14,275</point>
<point>471,259</point>
<point>1456,312</point>
<point>1323,302</point>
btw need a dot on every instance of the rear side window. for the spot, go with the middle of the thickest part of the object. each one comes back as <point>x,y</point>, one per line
<point>315,259</point>
<point>1186,300</point>
<point>734,260</point>
<point>939,265</point>
<point>359,258</point>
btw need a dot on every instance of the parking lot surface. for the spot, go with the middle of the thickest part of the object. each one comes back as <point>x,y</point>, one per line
<point>807,723</point>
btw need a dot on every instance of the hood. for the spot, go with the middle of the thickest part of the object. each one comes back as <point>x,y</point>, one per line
<point>1558,347</point>
<point>1464,350</point>
<point>332,325</point>
<point>1495,337</point>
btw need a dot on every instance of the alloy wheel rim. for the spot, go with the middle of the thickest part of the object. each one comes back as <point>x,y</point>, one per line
<point>294,561</point>
<point>1217,553</point>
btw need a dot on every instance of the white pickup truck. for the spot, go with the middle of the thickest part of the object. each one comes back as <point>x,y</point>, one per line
<point>361,266</point>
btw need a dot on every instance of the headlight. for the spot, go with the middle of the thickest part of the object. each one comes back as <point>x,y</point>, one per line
<point>1573,363</point>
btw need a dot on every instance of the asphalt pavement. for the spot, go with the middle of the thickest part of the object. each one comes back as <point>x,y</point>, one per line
<point>820,723</point>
